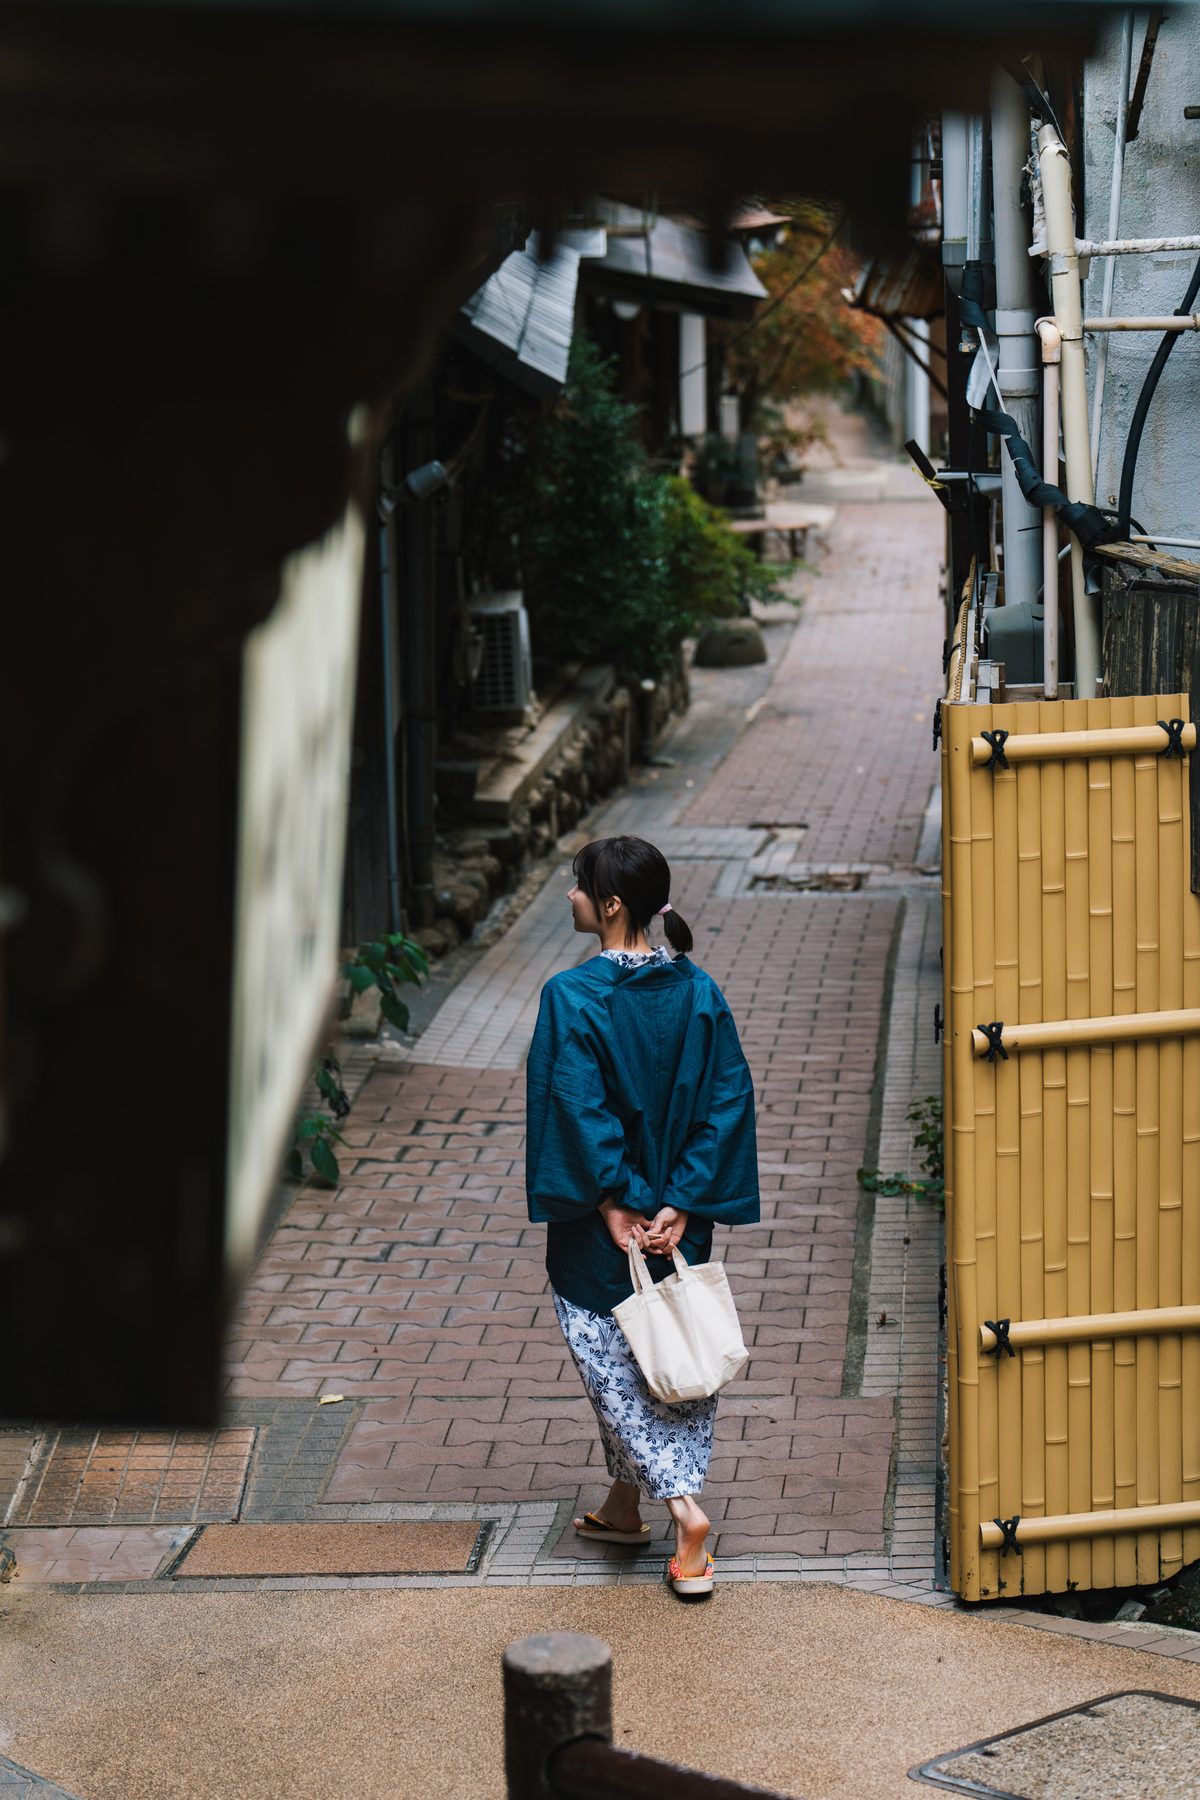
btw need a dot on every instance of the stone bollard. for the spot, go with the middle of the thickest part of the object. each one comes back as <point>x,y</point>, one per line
<point>557,1687</point>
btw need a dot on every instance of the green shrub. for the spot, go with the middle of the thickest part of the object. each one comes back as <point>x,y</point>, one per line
<point>619,563</point>
<point>710,572</point>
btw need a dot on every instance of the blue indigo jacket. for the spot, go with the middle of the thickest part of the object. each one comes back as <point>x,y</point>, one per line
<point>637,1087</point>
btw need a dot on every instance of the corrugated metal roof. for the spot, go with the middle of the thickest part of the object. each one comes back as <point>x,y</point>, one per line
<point>913,289</point>
<point>522,318</point>
<point>674,255</point>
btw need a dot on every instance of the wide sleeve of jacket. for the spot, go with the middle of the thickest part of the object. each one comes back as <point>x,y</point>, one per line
<point>715,1175</point>
<point>575,1142</point>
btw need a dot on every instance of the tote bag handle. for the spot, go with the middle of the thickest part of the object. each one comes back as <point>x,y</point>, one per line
<point>640,1275</point>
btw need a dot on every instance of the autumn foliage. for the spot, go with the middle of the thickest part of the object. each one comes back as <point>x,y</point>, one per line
<point>805,339</point>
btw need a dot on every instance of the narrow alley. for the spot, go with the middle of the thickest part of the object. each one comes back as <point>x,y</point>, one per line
<point>418,1290</point>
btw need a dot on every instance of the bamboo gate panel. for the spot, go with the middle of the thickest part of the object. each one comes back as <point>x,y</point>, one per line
<point>1073,1155</point>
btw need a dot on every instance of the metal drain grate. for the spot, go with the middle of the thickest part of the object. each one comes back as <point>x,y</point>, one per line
<point>809,878</point>
<point>1137,1745</point>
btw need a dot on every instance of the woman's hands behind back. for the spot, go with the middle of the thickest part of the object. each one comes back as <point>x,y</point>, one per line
<point>663,1232</point>
<point>623,1223</point>
<point>657,1236</point>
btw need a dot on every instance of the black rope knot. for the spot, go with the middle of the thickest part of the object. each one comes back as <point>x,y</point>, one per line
<point>997,739</point>
<point>999,1327</point>
<point>994,1033</point>
<point>1174,731</point>
<point>1008,1530</point>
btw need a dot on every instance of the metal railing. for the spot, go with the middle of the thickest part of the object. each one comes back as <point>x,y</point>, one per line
<point>558,1732</point>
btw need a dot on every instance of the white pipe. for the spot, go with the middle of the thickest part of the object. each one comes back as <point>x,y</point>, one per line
<point>1158,537</point>
<point>1170,322</point>
<point>1114,221</point>
<point>1017,355</point>
<point>1051,341</point>
<point>1068,316</point>
<point>1126,246</point>
<point>954,187</point>
<point>976,186</point>
<point>917,387</point>
<point>1136,246</point>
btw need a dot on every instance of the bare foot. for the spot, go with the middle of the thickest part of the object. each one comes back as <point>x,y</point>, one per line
<point>691,1534</point>
<point>620,1510</point>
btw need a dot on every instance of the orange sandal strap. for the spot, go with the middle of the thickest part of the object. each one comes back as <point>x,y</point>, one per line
<point>677,1574</point>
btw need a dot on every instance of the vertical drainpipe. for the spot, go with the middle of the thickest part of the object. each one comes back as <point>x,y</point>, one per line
<point>1124,67</point>
<point>955,127</point>
<point>1077,449</point>
<point>1017,369</point>
<point>917,385</point>
<point>387,609</point>
<point>967,509</point>
<point>420,663</point>
<point>1051,344</point>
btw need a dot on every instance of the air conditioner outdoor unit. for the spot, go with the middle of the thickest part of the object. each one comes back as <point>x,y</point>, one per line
<point>504,683</point>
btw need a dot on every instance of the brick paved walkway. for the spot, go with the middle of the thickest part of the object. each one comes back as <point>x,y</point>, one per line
<point>842,745</point>
<point>418,1289</point>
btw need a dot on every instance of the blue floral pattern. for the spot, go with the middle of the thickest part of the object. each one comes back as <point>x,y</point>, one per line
<point>633,959</point>
<point>663,1450</point>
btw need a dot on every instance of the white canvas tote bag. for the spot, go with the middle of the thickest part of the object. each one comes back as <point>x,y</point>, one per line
<point>683,1331</point>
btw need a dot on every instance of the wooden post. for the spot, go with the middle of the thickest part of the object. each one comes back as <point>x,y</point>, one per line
<point>557,1688</point>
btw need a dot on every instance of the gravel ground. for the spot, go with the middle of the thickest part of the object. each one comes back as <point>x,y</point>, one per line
<point>354,1695</point>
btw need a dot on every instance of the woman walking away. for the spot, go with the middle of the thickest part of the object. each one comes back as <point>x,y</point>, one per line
<point>641,1125</point>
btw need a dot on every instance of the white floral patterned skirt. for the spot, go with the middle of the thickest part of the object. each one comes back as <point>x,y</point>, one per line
<point>663,1450</point>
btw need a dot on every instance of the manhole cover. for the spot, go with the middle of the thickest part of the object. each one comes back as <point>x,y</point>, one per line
<point>1132,1746</point>
<point>414,1547</point>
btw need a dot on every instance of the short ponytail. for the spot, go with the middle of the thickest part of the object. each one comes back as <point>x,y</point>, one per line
<point>678,932</point>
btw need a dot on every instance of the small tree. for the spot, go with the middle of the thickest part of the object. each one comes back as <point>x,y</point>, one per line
<point>805,340</point>
<point>586,523</point>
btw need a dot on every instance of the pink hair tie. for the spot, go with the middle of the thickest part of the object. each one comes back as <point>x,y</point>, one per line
<point>667,908</point>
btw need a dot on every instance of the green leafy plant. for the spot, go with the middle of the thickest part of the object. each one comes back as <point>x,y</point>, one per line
<point>710,573</point>
<point>619,562</point>
<point>928,1137</point>
<point>317,1134</point>
<point>389,962</point>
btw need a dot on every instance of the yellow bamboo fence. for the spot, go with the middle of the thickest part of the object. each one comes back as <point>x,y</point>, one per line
<point>1072,1065</point>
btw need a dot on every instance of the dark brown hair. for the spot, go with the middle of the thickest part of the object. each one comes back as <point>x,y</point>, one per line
<point>639,875</point>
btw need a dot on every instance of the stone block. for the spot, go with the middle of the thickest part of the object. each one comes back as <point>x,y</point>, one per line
<point>730,644</point>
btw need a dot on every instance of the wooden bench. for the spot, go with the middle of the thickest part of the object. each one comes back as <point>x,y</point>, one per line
<point>786,519</point>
